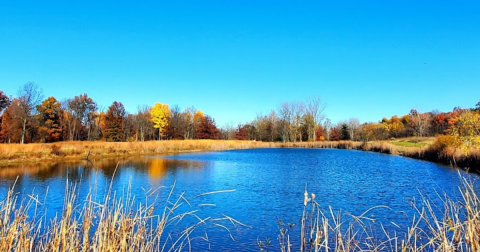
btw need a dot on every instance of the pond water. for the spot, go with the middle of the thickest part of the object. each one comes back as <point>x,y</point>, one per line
<point>257,187</point>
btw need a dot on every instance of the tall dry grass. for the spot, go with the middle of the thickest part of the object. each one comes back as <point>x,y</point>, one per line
<point>76,150</point>
<point>114,223</point>
<point>456,228</point>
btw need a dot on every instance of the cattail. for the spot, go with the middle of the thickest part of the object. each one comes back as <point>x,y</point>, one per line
<point>150,211</point>
<point>313,196</point>
<point>318,237</point>
<point>305,199</point>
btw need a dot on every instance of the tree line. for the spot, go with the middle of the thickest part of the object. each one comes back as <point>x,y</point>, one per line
<point>304,121</point>
<point>30,118</point>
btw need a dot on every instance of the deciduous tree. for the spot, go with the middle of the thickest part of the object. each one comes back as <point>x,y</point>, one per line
<point>177,124</point>
<point>466,131</point>
<point>419,122</point>
<point>353,124</point>
<point>11,130</point>
<point>113,128</point>
<point>285,114</point>
<point>49,119</point>
<point>315,107</point>
<point>160,114</point>
<point>207,129</point>
<point>29,96</point>
<point>197,119</point>
<point>143,122</point>
<point>83,109</point>
<point>327,126</point>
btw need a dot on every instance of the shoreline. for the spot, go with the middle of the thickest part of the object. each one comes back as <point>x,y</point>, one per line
<point>13,154</point>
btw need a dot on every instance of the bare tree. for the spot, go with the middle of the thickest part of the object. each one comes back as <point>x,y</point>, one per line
<point>177,125</point>
<point>272,126</point>
<point>327,126</point>
<point>228,131</point>
<point>315,108</point>
<point>298,109</point>
<point>29,96</point>
<point>143,122</point>
<point>286,117</point>
<point>190,124</point>
<point>82,108</point>
<point>353,124</point>
<point>419,121</point>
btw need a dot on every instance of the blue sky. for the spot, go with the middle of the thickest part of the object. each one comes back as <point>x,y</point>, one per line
<point>234,59</point>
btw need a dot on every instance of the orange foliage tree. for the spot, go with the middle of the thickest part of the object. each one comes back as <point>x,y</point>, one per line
<point>11,130</point>
<point>207,129</point>
<point>113,123</point>
<point>50,113</point>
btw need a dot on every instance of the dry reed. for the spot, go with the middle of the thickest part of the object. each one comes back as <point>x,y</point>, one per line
<point>10,153</point>
<point>456,228</point>
<point>115,223</point>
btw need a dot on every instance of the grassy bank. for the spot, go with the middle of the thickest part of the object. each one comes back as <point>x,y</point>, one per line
<point>11,153</point>
<point>419,148</point>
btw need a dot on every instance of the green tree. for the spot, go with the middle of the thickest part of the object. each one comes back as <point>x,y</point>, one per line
<point>160,114</point>
<point>344,132</point>
<point>4,101</point>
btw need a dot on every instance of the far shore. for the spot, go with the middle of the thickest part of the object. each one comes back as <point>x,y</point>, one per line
<point>418,148</point>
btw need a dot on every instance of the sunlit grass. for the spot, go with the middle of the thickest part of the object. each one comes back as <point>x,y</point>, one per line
<point>413,141</point>
<point>79,150</point>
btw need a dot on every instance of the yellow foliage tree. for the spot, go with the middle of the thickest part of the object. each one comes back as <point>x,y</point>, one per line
<point>160,114</point>
<point>197,118</point>
<point>466,131</point>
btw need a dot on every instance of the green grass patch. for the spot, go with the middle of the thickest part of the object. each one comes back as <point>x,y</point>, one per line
<point>408,144</point>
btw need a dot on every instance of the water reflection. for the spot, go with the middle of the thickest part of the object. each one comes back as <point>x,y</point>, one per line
<point>159,167</point>
<point>156,168</point>
<point>42,171</point>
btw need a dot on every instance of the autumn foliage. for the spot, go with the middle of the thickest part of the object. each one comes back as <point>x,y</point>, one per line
<point>207,128</point>
<point>28,118</point>
<point>50,115</point>
<point>113,123</point>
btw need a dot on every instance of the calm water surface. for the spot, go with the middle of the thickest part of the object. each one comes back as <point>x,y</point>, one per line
<point>264,186</point>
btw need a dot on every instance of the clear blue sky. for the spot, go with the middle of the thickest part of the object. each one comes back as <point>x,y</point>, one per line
<point>234,59</point>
